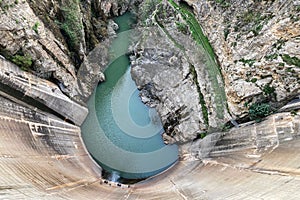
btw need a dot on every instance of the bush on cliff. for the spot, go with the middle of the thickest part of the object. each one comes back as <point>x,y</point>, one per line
<point>25,62</point>
<point>72,25</point>
<point>257,111</point>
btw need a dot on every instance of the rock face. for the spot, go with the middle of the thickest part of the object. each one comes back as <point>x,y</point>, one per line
<point>162,72</point>
<point>256,46</point>
<point>22,33</point>
<point>56,45</point>
<point>175,76</point>
<point>39,93</point>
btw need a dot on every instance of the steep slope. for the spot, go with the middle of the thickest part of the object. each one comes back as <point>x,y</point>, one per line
<point>209,65</point>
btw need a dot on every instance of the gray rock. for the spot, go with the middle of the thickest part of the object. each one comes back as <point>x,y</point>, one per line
<point>162,72</point>
<point>91,70</point>
<point>39,93</point>
<point>253,49</point>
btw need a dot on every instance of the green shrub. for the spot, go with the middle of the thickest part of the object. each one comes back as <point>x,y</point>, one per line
<point>271,56</point>
<point>234,44</point>
<point>256,29</point>
<point>268,90</point>
<point>257,111</point>
<point>182,27</point>
<point>226,33</point>
<point>202,135</point>
<point>223,3</point>
<point>294,113</point>
<point>279,43</point>
<point>35,27</point>
<point>253,80</point>
<point>25,62</point>
<point>72,25</point>
<point>250,62</point>
<point>291,70</point>
<point>291,60</point>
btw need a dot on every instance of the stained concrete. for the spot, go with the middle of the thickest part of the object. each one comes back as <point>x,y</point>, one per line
<point>43,157</point>
<point>27,87</point>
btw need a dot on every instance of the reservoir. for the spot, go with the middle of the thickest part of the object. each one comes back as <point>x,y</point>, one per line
<point>121,133</point>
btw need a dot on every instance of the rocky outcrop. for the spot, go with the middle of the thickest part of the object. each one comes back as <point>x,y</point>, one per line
<point>256,47</point>
<point>162,72</point>
<point>176,76</point>
<point>90,71</point>
<point>56,45</point>
<point>112,7</point>
<point>23,34</point>
<point>39,93</point>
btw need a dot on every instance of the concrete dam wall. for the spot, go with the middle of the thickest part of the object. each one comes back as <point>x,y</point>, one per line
<point>42,155</point>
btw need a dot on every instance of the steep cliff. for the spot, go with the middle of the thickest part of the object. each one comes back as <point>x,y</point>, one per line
<point>53,39</point>
<point>257,45</point>
<point>207,64</point>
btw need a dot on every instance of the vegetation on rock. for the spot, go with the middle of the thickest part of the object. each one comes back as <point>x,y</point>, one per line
<point>201,97</point>
<point>223,3</point>
<point>211,64</point>
<point>182,27</point>
<point>291,60</point>
<point>257,111</point>
<point>72,25</point>
<point>35,27</point>
<point>25,61</point>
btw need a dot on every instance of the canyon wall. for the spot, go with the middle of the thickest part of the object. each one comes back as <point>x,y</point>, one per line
<point>52,57</point>
<point>252,64</point>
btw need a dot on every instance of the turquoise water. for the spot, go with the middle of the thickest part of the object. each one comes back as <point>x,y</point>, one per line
<point>138,111</point>
<point>121,133</point>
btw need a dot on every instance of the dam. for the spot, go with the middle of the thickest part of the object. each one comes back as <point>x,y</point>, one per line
<point>44,153</point>
<point>44,157</point>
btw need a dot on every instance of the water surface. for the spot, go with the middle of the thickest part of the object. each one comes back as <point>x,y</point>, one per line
<point>121,133</point>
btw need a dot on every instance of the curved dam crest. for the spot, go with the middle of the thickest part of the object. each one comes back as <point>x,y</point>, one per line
<point>121,133</point>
